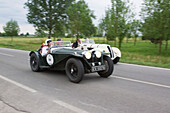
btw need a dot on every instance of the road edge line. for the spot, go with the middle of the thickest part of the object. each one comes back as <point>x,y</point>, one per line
<point>140,81</point>
<point>18,84</point>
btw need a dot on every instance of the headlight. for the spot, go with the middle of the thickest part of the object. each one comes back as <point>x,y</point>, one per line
<point>98,54</point>
<point>75,53</point>
<point>87,55</point>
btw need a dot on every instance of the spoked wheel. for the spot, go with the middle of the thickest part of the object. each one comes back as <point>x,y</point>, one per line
<point>34,63</point>
<point>74,70</point>
<point>109,68</point>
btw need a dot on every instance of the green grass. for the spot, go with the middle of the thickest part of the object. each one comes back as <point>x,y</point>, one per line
<point>144,53</point>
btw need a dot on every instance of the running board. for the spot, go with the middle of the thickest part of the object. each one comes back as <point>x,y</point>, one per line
<point>47,67</point>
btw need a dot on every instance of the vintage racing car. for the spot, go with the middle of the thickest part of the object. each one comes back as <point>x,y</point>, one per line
<point>88,44</point>
<point>75,62</point>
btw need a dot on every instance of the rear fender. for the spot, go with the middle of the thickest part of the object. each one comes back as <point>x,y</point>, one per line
<point>116,51</point>
<point>34,52</point>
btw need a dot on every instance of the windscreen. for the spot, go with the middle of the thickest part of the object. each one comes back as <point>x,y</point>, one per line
<point>87,41</point>
<point>60,43</point>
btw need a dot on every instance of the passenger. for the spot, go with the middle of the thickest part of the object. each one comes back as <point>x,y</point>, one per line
<point>59,39</point>
<point>59,43</point>
<point>76,44</point>
<point>86,40</point>
<point>46,49</point>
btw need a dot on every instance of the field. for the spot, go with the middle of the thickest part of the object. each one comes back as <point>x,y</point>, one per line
<point>144,53</point>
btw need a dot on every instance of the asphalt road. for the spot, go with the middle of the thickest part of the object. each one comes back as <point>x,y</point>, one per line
<point>130,89</point>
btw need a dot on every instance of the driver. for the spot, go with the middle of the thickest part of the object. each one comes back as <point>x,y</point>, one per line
<point>46,49</point>
<point>77,43</point>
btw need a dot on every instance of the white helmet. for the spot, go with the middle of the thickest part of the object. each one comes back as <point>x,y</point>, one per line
<point>46,41</point>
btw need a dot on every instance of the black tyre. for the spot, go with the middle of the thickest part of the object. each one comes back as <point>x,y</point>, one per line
<point>109,68</point>
<point>34,63</point>
<point>116,60</point>
<point>74,70</point>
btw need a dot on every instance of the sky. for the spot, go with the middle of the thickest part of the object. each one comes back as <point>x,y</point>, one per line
<point>14,9</point>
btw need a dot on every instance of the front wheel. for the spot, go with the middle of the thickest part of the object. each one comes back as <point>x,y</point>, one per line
<point>74,70</point>
<point>109,68</point>
<point>116,60</point>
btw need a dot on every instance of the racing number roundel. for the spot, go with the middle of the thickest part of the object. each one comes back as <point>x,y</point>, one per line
<point>50,59</point>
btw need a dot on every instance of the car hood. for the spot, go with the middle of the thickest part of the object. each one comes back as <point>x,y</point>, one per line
<point>66,51</point>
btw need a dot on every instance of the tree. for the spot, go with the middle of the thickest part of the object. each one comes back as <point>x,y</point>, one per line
<point>100,29</point>
<point>109,27</point>
<point>166,15</point>
<point>45,14</point>
<point>121,15</point>
<point>22,34</point>
<point>11,28</point>
<point>167,34</point>
<point>40,33</point>
<point>27,34</point>
<point>156,16</point>
<point>116,20</point>
<point>59,30</point>
<point>80,19</point>
<point>3,34</point>
<point>129,31</point>
<point>135,26</point>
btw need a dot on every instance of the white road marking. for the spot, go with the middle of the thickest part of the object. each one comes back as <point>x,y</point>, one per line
<point>6,54</point>
<point>145,66</point>
<point>68,106</point>
<point>144,82</point>
<point>92,105</point>
<point>18,84</point>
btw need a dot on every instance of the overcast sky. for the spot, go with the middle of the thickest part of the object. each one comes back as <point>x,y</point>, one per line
<point>14,9</point>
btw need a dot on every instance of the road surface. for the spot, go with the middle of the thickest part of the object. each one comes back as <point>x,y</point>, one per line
<point>130,89</point>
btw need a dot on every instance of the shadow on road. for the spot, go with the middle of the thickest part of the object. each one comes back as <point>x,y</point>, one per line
<point>61,75</point>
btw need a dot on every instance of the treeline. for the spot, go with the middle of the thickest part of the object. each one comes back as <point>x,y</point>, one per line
<point>54,18</point>
<point>154,25</point>
<point>22,34</point>
<point>156,21</point>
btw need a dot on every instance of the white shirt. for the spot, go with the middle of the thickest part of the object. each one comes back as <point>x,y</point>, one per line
<point>44,50</point>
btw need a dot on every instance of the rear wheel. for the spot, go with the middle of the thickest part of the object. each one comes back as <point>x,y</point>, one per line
<point>109,68</point>
<point>34,63</point>
<point>74,70</point>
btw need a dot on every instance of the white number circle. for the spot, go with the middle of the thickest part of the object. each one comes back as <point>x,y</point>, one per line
<point>50,59</point>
